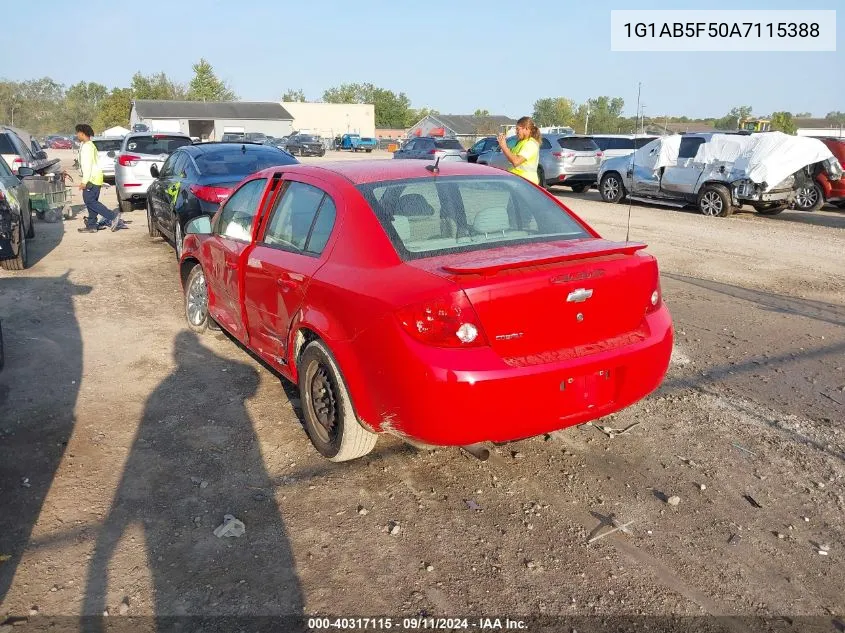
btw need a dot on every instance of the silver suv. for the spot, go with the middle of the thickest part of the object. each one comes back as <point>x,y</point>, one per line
<point>430,148</point>
<point>565,159</point>
<point>712,172</point>
<point>138,153</point>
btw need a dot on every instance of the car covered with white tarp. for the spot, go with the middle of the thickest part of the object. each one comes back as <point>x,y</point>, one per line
<point>718,172</point>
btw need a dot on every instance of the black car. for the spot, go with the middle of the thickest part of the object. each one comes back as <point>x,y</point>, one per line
<point>481,146</point>
<point>195,179</point>
<point>305,145</point>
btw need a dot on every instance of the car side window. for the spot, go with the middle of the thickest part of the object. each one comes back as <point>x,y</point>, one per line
<point>689,147</point>
<point>302,219</point>
<point>5,172</point>
<point>180,165</point>
<point>545,144</point>
<point>409,145</point>
<point>239,211</point>
<point>166,170</point>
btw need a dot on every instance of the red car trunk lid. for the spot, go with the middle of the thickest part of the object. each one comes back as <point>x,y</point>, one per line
<point>553,300</point>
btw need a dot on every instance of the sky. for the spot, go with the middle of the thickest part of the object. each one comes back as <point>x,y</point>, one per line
<point>454,56</point>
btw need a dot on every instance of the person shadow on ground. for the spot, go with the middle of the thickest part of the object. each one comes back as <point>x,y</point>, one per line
<point>195,458</point>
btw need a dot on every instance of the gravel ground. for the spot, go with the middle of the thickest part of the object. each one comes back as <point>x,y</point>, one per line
<point>125,439</point>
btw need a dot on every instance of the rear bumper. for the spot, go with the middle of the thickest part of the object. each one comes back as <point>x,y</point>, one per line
<point>562,177</point>
<point>132,190</point>
<point>458,397</point>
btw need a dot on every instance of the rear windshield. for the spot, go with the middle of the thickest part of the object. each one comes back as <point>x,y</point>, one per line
<point>427,217</point>
<point>578,144</point>
<point>448,143</point>
<point>231,161</point>
<point>307,139</point>
<point>159,144</point>
<point>109,145</point>
<point>612,142</point>
<point>643,140</point>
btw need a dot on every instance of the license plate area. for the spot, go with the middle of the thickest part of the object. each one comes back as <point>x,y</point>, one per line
<point>587,391</point>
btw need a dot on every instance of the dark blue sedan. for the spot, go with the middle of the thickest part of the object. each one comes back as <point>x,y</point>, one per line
<point>195,179</point>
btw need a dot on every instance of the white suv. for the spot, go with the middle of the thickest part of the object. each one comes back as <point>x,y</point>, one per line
<point>139,152</point>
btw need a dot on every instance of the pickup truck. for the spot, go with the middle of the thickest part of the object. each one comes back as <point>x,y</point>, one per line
<point>357,143</point>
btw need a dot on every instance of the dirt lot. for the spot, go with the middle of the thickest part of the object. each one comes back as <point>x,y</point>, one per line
<point>124,439</point>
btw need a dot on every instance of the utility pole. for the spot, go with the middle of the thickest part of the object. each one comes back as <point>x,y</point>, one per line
<point>639,89</point>
<point>587,122</point>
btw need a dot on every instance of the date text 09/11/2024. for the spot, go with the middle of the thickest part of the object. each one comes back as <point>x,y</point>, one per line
<point>723,29</point>
<point>416,624</point>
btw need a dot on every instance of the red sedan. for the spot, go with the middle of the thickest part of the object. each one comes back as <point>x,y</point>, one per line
<point>449,308</point>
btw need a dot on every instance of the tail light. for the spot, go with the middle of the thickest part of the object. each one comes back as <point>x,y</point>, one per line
<point>432,151</point>
<point>599,154</point>
<point>18,161</point>
<point>214,195</point>
<point>655,300</point>
<point>128,160</point>
<point>448,321</point>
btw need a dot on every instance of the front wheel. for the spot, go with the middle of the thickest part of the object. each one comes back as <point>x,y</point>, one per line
<point>196,300</point>
<point>330,420</point>
<point>541,177</point>
<point>369,150</point>
<point>611,187</point>
<point>715,201</point>
<point>178,239</point>
<point>809,198</point>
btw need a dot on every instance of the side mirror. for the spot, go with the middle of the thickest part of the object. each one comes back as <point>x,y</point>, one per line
<point>24,172</point>
<point>154,170</point>
<point>199,226</point>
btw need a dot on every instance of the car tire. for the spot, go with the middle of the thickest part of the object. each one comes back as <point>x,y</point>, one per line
<point>715,201</point>
<point>178,239</point>
<point>771,210</point>
<point>19,262</point>
<point>330,420</point>
<point>152,229</point>
<point>541,176</point>
<point>196,300</point>
<point>125,206</point>
<point>611,187</point>
<point>30,232</point>
<point>369,151</point>
<point>580,188</point>
<point>809,198</point>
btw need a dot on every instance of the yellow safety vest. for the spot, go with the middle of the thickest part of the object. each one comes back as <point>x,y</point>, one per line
<point>89,163</point>
<point>529,148</point>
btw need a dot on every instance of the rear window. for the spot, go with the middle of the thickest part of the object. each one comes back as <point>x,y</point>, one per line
<point>578,144</point>
<point>307,139</point>
<point>232,161</point>
<point>448,143</point>
<point>109,145</point>
<point>643,141</point>
<point>427,217</point>
<point>159,144</point>
<point>612,142</point>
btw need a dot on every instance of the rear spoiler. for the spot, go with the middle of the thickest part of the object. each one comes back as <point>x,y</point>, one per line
<point>585,250</point>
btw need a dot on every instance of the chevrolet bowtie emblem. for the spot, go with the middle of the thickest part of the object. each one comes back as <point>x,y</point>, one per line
<point>579,295</point>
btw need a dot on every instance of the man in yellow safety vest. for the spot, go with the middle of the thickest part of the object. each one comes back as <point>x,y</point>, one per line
<point>92,182</point>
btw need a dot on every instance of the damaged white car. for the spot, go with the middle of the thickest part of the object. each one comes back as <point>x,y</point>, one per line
<point>718,173</point>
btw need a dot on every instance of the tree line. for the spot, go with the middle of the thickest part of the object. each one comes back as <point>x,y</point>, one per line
<point>42,106</point>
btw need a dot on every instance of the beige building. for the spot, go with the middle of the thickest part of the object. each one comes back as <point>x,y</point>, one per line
<point>331,119</point>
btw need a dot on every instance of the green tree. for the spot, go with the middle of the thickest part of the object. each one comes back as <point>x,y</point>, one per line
<point>415,116</point>
<point>782,122</point>
<point>481,113</point>
<point>82,101</point>
<point>294,95</point>
<point>205,86</point>
<point>836,117</point>
<point>113,110</point>
<point>731,120</point>
<point>553,111</point>
<point>803,115</point>
<point>156,86</point>
<point>391,109</point>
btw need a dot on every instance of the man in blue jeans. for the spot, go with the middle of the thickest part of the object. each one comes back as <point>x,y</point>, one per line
<point>92,182</point>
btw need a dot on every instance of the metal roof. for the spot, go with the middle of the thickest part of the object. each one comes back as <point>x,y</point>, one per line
<point>246,110</point>
<point>469,124</point>
<point>377,170</point>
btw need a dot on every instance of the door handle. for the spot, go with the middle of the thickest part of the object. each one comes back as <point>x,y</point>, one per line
<point>232,265</point>
<point>287,283</point>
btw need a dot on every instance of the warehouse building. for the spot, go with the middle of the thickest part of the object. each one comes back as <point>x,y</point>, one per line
<point>332,119</point>
<point>210,120</point>
<point>465,127</point>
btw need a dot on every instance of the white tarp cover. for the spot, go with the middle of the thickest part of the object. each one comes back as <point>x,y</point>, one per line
<point>116,131</point>
<point>762,158</point>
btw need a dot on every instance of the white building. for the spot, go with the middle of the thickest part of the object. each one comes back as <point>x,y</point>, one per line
<point>331,119</point>
<point>818,127</point>
<point>210,120</point>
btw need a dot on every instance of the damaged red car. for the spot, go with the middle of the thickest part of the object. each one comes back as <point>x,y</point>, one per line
<point>451,306</point>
